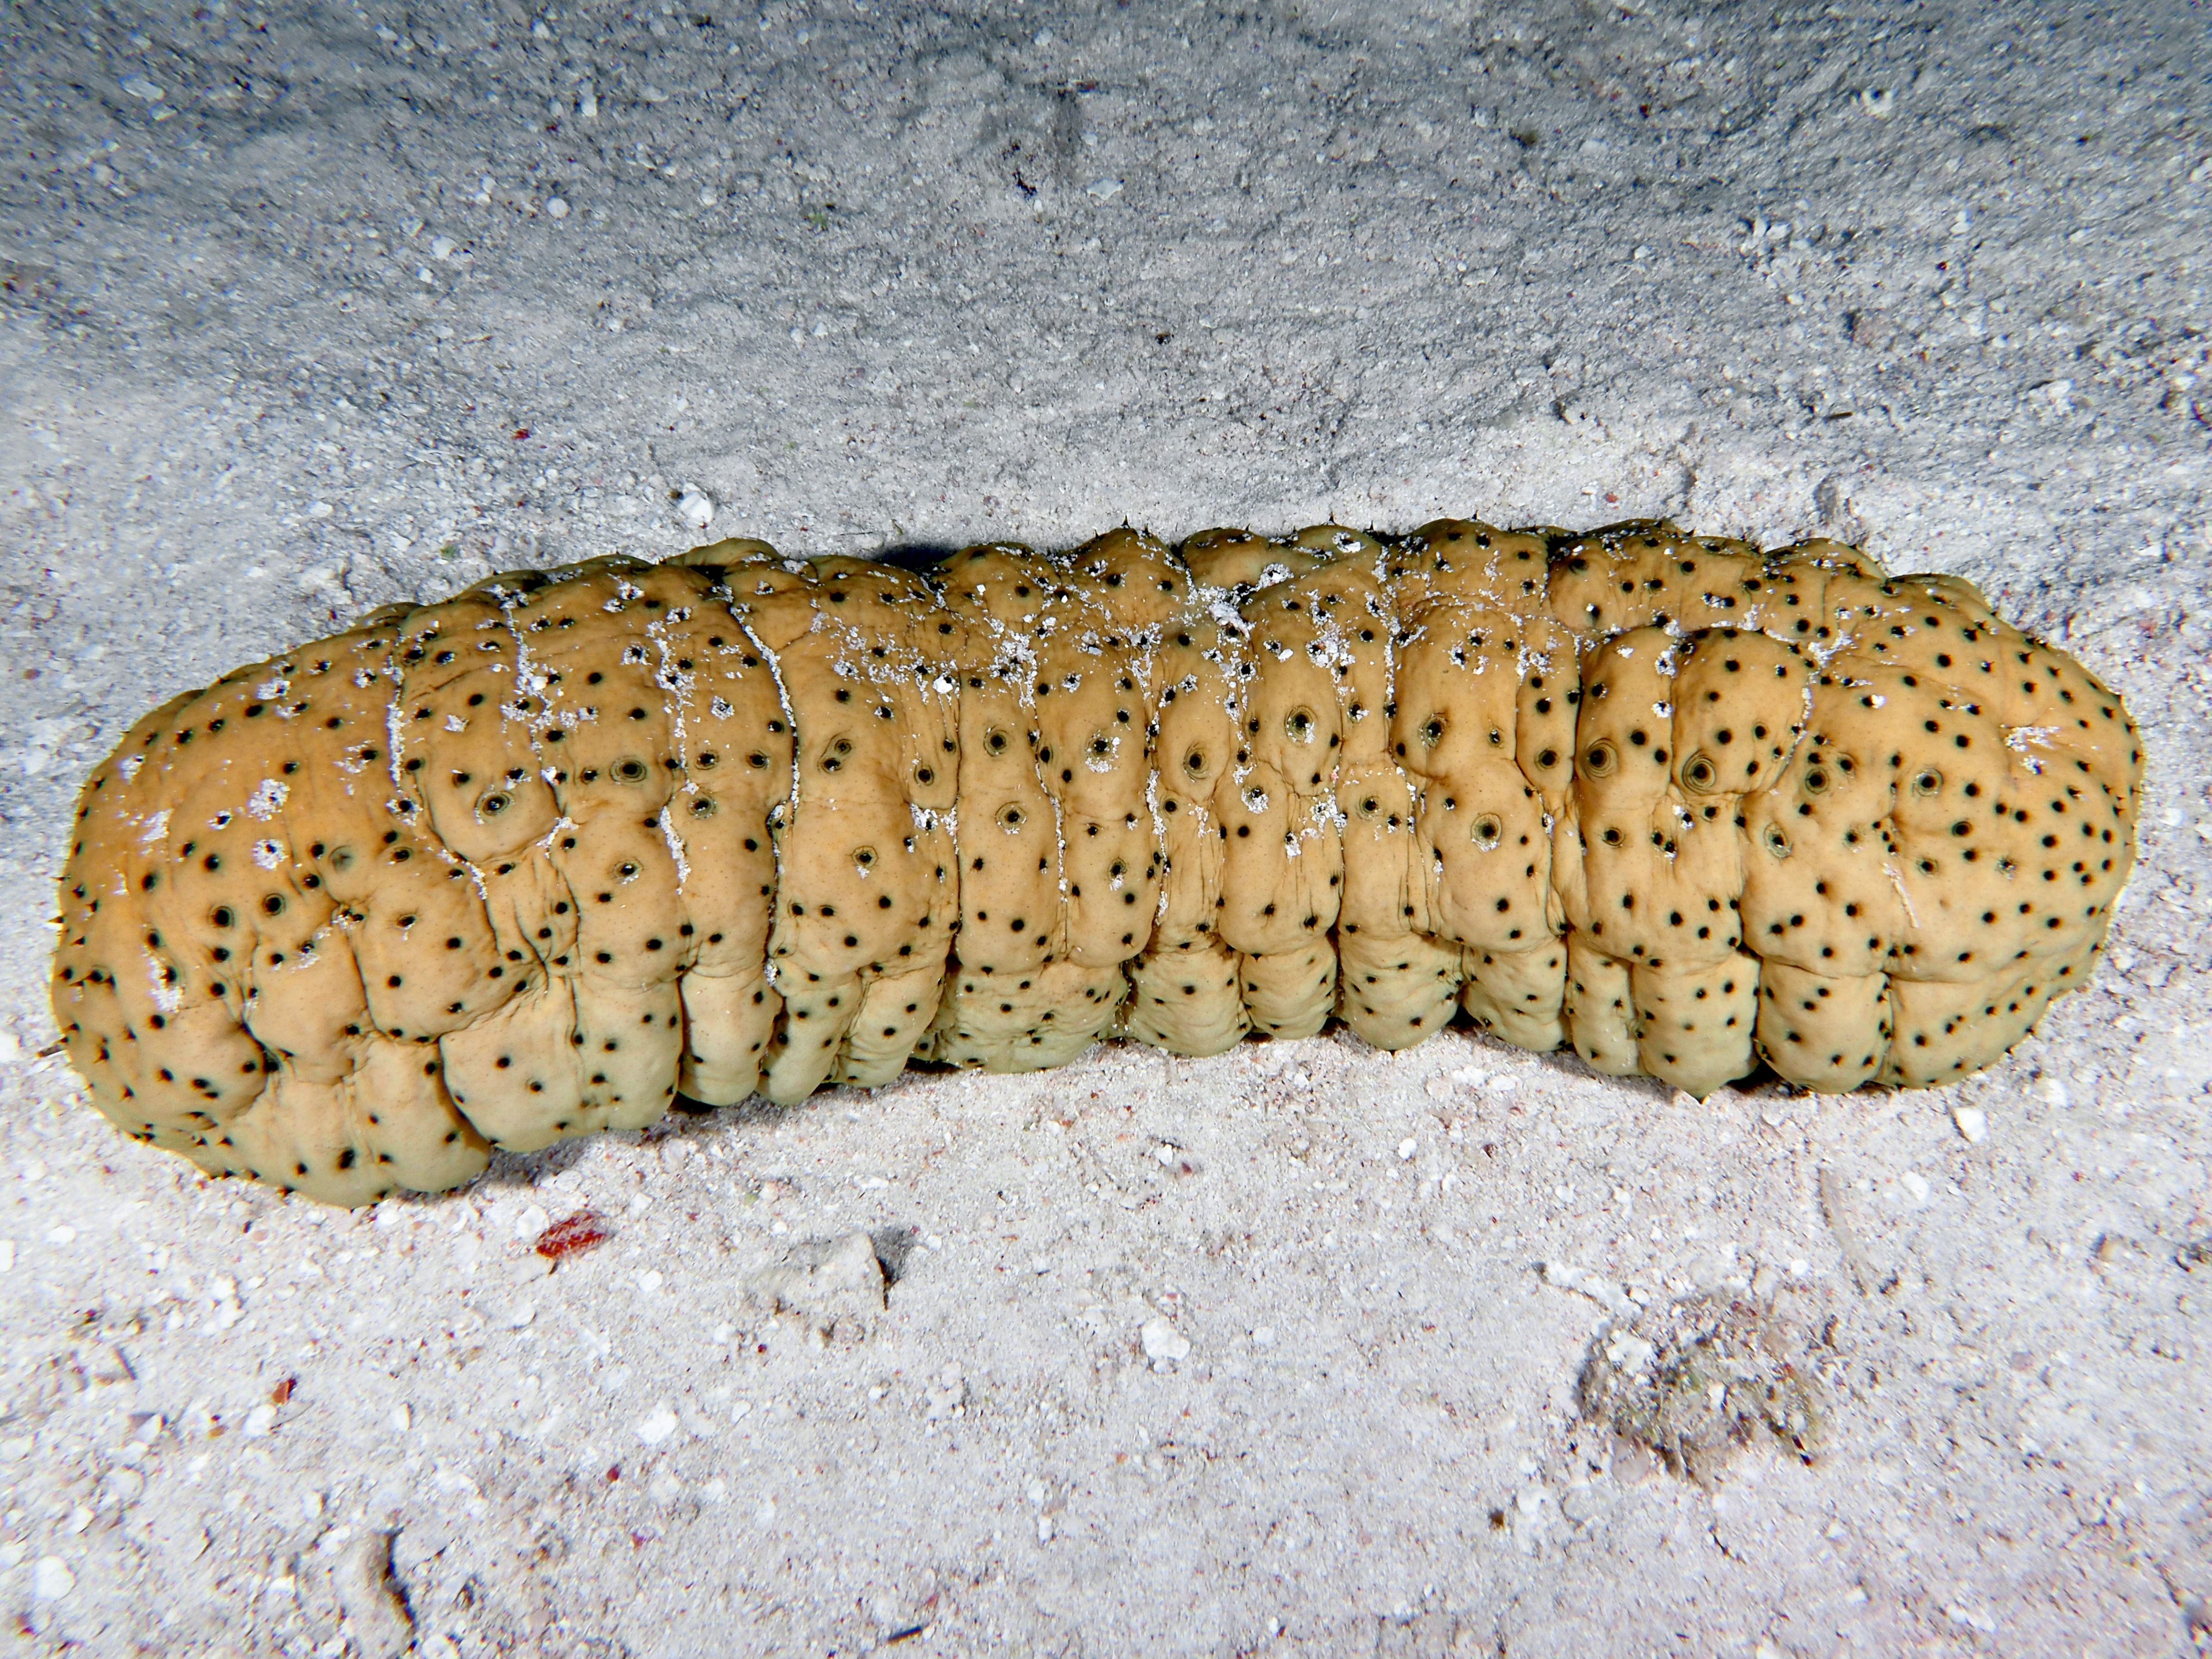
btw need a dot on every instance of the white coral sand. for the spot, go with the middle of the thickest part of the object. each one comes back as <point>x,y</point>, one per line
<point>1172,1355</point>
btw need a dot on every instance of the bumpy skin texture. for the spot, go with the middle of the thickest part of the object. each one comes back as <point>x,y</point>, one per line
<point>532,862</point>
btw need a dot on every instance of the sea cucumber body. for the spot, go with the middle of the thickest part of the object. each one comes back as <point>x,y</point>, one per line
<point>530,862</point>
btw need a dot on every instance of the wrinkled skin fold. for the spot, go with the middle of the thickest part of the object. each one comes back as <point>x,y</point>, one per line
<point>530,862</point>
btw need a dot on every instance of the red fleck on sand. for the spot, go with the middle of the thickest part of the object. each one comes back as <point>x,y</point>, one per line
<point>565,1237</point>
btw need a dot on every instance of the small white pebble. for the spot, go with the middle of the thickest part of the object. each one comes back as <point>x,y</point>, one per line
<point>1915,1184</point>
<point>520,1315</point>
<point>402,1418</point>
<point>666,1486</point>
<point>696,508</point>
<point>319,510</point>
<point>1163,1343</point>
<point>1263,1336</point>
<point>556,208</point>
<point>1406,1148</point>
<point>441,248</point>
<point>1972,1124</point>
<point>531,1222</point>
<point>260,1420</point>
<point>656,1426</point>
<point>1503,1085</point>
<point>2051,1090</point>
<point>51,1580</point>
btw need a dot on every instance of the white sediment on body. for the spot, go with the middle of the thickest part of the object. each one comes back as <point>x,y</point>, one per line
<point>674,843</point>
<point>1903,894</point>
<point>779,813</point>
<point>2018,737</point>
<point>167,997</point>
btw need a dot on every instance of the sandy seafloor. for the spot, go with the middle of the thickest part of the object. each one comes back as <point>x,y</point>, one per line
<point>291,325</point>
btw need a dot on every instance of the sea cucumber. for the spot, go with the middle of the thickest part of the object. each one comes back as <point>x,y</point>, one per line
<point>534,861</point>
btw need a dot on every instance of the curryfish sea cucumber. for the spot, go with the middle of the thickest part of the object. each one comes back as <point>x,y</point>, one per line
<point>533,862</point>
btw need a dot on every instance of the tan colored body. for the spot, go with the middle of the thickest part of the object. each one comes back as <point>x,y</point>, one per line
<point>528,863</point>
